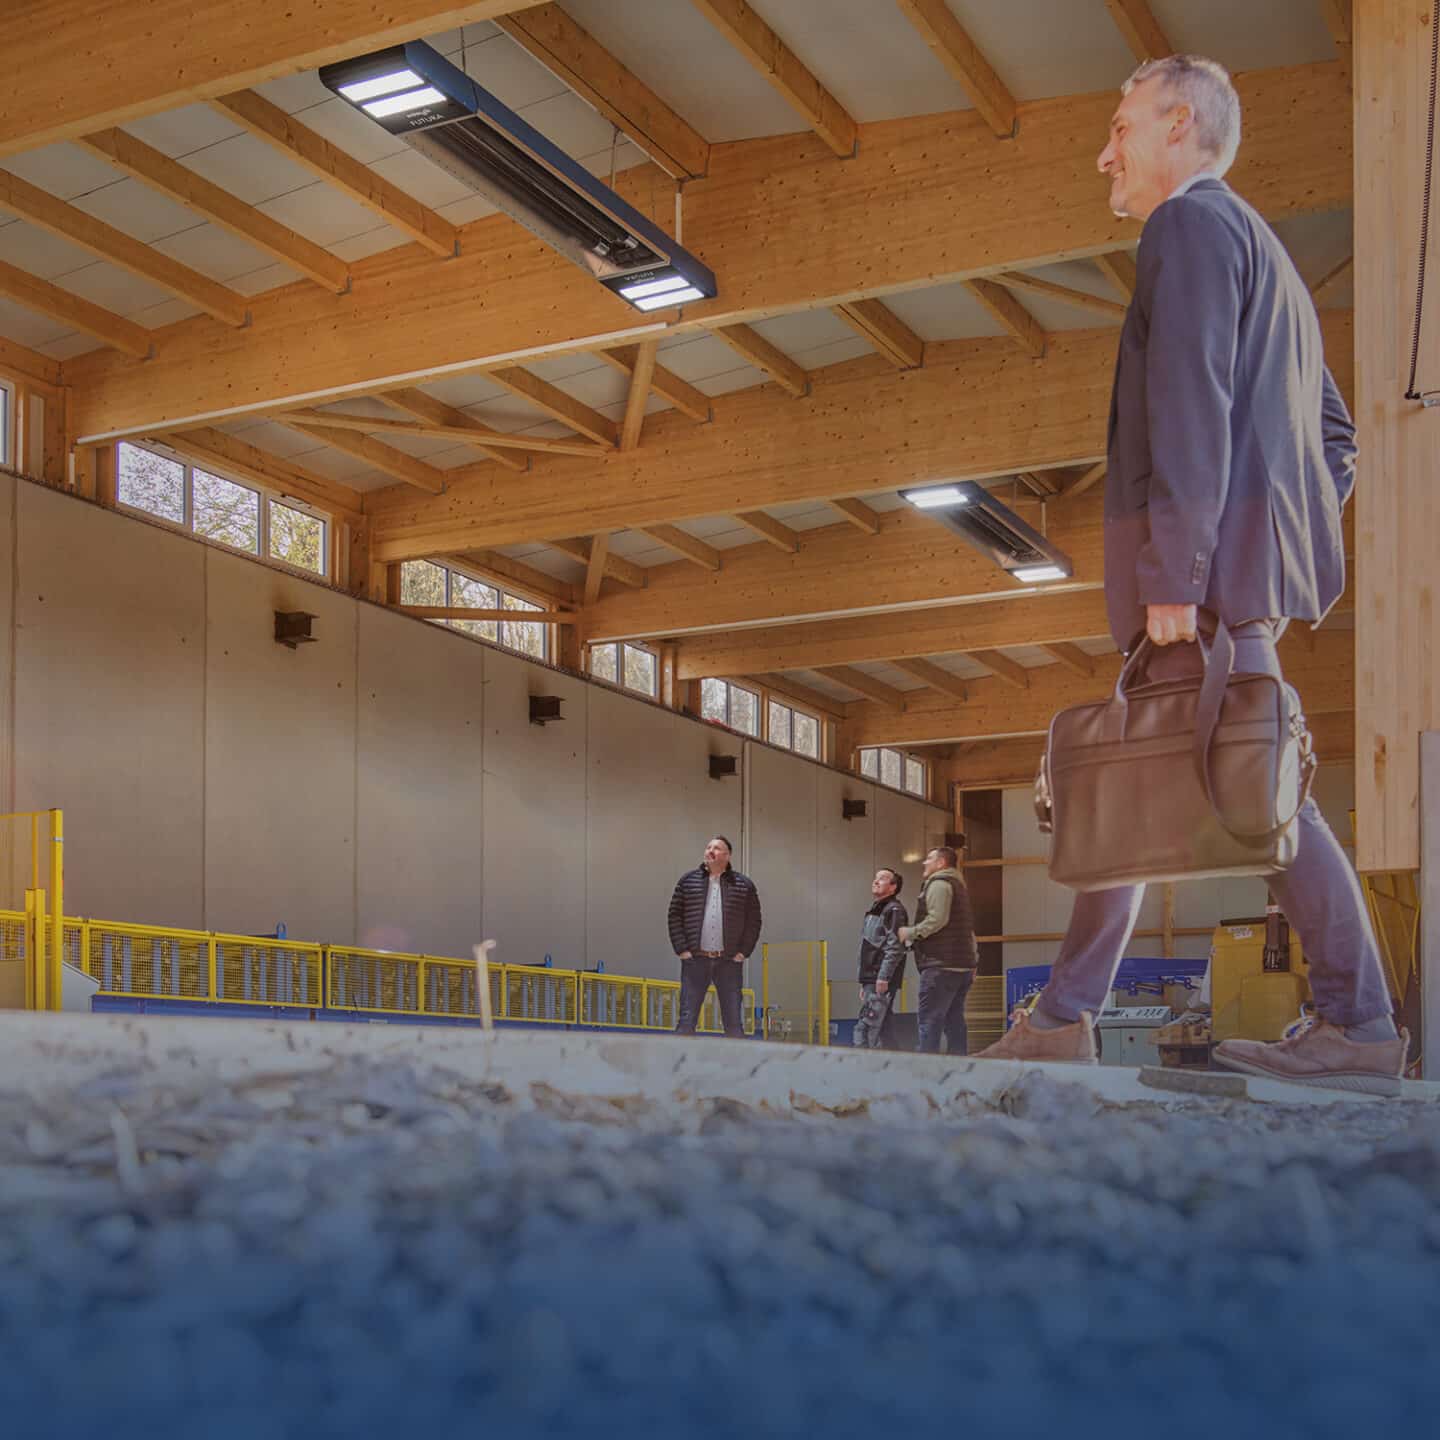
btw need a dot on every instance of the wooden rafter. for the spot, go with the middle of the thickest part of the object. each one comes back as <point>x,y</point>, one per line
<point>858,513</point>
<point>781,536</point>
<point>1118,267</point>
<point>1332,278</point>
<point>1072,657</point>
<point>933,675</point>
<point>1009,313</point>
<point>312,152</point>
<point>774,59</point>
<point>384,458</point>
<point>548,34</point>
<point>47,299</point>
<point>867,685</point>
<point>431,411</point>
<point>1003,667</point>
<point>18,359</point>
<point>635,402</point>
<point>525,580</point>
<point>595,566</point>
<point>555,402</point>
<point>171,178</point>
<point>959,54</point>
<point>1082,299</point>
<point>423,429</point>
<point>682,395</point>
<point>885,330</point>
<point>787,688</point>
<point>751,345</point>
<point>71,223</point>
<point>1086,480</point>
<point>697,552</point>
<point>627,572</point>
<point>1136,22</point>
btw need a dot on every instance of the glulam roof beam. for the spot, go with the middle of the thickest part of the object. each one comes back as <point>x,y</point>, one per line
<point>385,458</point>
<point>1118,267</point>
<point>958,53</point>
<point>1010,315</point>
<point>1081,299</point>
<point>668,386</point>
<point>431,411</point>
<point>858,513</point>
<point>871,688</point>
<point>627,572</point>
<point>1137,23</point>
<point>46,299</point>
<point>776,533</point>
<point>751,345</point>
<point>635,402</point>
<point>696,551</point>
<point>556,403</point>
<point>885,330</point>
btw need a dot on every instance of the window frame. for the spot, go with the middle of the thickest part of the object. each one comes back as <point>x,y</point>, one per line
<point>906,759</point>
<point>783,702</point>
<point>502,592</point>
<point>619,682</point>
<point>730,687</point>
<point>9,396</point>
<point>265,497</point>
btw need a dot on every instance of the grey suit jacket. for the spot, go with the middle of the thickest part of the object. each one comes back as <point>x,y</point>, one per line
<point>1231,453</point>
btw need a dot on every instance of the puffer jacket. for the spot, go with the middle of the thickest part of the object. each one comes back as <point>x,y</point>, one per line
<point>739,907</point>
<point>882,956</point>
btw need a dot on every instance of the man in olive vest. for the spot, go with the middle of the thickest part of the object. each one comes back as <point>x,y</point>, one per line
<point>943,938</point>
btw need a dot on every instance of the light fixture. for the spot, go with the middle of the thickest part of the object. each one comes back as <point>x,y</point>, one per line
<point>415,93</point>
<point>993,528</point>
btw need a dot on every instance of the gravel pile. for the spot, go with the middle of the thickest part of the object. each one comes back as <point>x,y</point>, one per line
<point>382,1247</point>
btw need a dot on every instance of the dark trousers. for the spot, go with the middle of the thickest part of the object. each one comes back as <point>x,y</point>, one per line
<point>942,1010</point>
<point>875,1026</point>
<point>696,977</point>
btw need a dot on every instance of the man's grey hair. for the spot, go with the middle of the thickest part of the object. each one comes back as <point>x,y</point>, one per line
<point>1206,88</point>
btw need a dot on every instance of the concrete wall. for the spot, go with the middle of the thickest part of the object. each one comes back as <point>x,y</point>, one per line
<point>383,786</point>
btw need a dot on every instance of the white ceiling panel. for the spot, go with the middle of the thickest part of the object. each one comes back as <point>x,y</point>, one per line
<point>962,665</point>
<point>422,178</point>
<point>689,64</point>
<point>420,446</point>
<point>346,128</point>
<point>1048,47</point>
<point>1245,36</point>
<point>868,56</point>
<point>632,545</point>
<point>605,386</point>
<point>321,213</point>
<point>453,456</point>
<point>803,514</point>
<point>112,288</point>
<point>943,312</point>
<point>40,253</point>
<point>29,327</point>
<point>372,242</point>
<point>626,157</point>
<point>462,391</point>
<point>465,38</point>
<point>214,251</point>
<point>804,330</point>
<point>887,674</point>
<point>267,435</point>
<point>1098,645</point>
<point>294,93</point>
<point>697,358</point>
<point>541,557</point>
<point>64,170</point>
<point>67,347</point>
<point>746,377</point>
<point>462,212</point>
<point>654,404</point>
<point>504,69</point>
<point>506,412</point>
<point>1032,657</point>
<point>269,277</point>
<point>167,312</point>
<point>1054,314</point>
<point>251,170</point>
<point>823,685</point>
<point>368,405</point>
<point>138,210</point>
<point>1317,243</point>
<point>562,367</point>
<point>178,132</point>
<point>334,464</point>
<point>835,353</point>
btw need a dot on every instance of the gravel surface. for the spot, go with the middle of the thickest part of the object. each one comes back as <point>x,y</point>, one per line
<point>374,1243</point>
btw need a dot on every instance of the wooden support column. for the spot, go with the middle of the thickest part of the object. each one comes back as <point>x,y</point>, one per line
<point>1397,683</point>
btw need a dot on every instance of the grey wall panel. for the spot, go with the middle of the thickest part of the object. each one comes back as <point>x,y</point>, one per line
<point>110,656</point>
<point>534,831</point>
<point>420,790</point>
<point>847,865</point>
<point>280,757</point>
<point>651,807</point>
<point>783,850</point>
<point>7,639</point>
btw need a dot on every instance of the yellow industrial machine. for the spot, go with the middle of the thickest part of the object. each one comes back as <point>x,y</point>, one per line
<point>1257,986</point>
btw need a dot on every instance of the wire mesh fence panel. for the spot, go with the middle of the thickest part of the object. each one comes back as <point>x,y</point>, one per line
<point>145,961</point>
<point>536,994</point>
<point>612,1000</point>
<point>796,991</point>
<point>985,1011</point>
<point>373,980</point>
<point>268,972</point>
<point>662,1004</point>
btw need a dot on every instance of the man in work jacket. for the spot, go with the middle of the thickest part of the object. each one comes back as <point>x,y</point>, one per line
<point>882,960</point>
<point>714,925</point>
<point>943,938</point>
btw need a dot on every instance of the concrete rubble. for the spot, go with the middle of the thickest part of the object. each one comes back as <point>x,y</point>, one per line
<point>237,1229</point>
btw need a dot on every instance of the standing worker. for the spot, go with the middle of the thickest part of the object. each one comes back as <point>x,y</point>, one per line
<point>882,960</point>
<point>714,925</point>
<point>943,938</point>
<point>1231,455</point>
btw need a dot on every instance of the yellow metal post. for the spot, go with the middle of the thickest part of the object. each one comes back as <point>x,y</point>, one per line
<point>57,908</point>
<point>765,989</point>
<point>212,968</point>
<point>824,992</point>
<point>31,978</point>
<point>35,851</point>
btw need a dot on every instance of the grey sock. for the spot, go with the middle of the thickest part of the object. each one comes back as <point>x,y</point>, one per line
<point>1373,1032</point>
<point>1042,1019</point>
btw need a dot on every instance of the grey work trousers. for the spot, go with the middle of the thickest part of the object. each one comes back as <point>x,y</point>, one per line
<point>1319,893</point>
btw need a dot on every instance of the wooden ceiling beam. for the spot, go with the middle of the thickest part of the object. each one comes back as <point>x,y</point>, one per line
<point>1003,667</point>
<point>867,685</point>
<point>682,395</point>
<point>910,634</point>
<point>74,66</point>
<point>171,178</point>
<point>556,403</point>
<point>1137,23</point>
<point>384,458</point>
<point>781,536</point>
<point>751,345</point>
<point>1085,481</point>
<point>639,395</point>
<point>1072,657</point>
<point>774,59</point>
<point>697,552</point>
<point>18,359</point>
<point>1081,299</point>
<point>933,675</point>
<point>832,233</point>
<point>1332,277</point>
<point>571,54</point>
<point>312,152</point>
<point>1011,315</point>
<point>595,566</point>
<point>885,330</point>
<point>859,514</point>
<point>627,572</point>
<point>47,299</point>
<point>514,575</point>
<point>229,455</point>
<point>1118,267</point>
<point>959,54</point>
<point>785,688</point>
<point>431,411</point>
<point>464,434</point>
<point>69,222</point>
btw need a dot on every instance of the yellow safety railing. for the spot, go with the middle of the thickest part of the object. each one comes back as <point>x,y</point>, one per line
<point>32,851</point>
<point>795,990</point>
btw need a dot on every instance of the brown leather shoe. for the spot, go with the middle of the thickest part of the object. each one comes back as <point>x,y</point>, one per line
<point>1066,1044</point>
<point>1321,1055</point>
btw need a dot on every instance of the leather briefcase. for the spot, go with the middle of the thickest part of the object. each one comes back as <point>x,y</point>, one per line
<point>1176,779</point>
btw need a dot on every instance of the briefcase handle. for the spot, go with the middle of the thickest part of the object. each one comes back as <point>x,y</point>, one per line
<point>1219,658</point>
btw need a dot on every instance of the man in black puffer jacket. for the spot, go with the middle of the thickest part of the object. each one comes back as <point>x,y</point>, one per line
<point>882,961</point>
<point>714,925</point>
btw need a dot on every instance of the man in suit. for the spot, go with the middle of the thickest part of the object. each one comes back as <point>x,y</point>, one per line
<point>1231,455</point>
